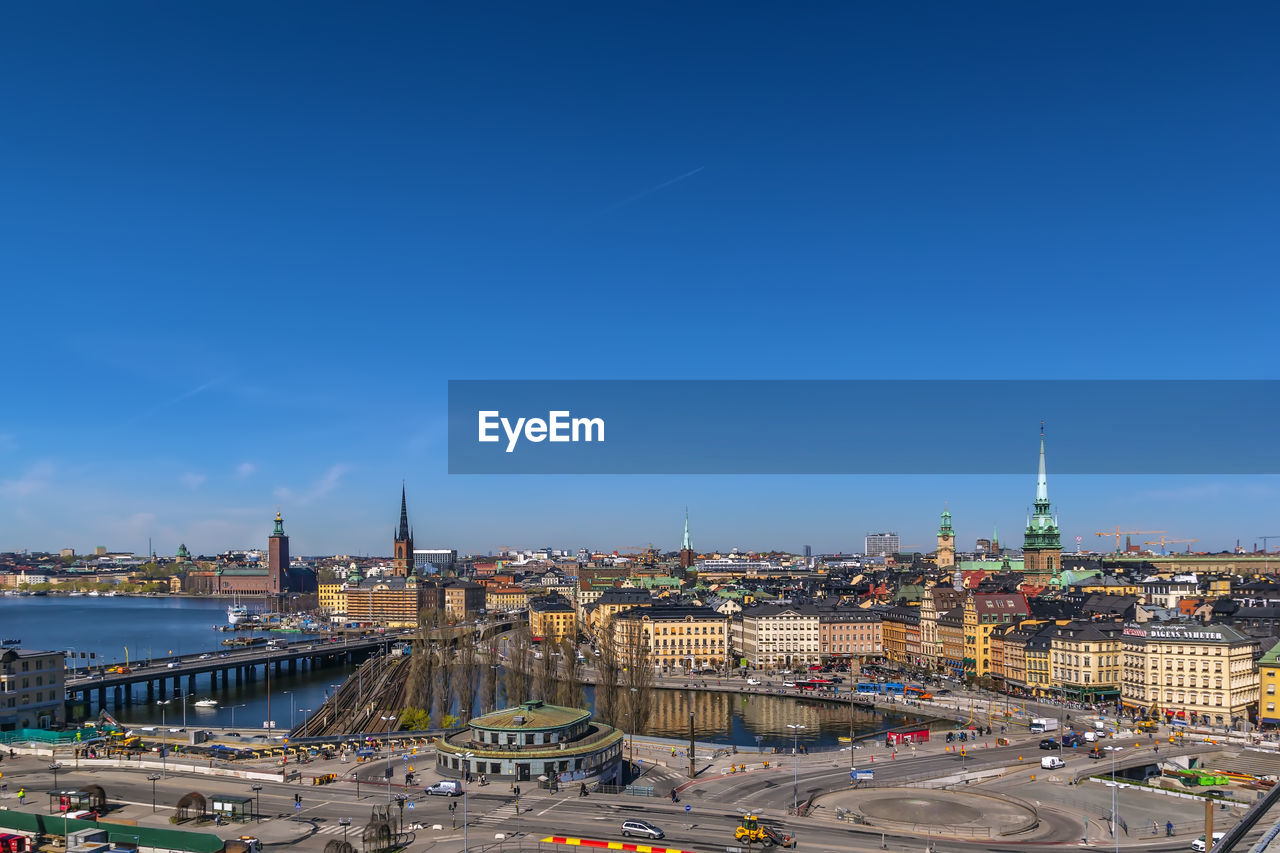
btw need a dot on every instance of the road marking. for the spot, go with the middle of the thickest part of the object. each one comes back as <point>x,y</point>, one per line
<point>552,806</point>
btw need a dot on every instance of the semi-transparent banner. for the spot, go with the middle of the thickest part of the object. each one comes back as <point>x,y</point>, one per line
<point>863,426</point>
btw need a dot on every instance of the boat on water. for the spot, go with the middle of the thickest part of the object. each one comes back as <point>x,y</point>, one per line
<point>207,703</point>
<point>237,613</point>
<point>94,593</point>
<point>76,594</point>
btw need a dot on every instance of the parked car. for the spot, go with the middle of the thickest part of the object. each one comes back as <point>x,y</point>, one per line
<point>1048,743</point>
<point>753,681</point>
<point>644,829</point>
<point>1052,762</point>
<point>788,684</point>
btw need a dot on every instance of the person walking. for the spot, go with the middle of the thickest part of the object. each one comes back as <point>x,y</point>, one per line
<point>1168,827</point>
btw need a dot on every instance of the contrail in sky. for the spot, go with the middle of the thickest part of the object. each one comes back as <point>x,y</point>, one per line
<point>659,188</point>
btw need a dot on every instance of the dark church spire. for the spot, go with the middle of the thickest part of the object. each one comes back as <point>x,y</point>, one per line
<point>403,533</point>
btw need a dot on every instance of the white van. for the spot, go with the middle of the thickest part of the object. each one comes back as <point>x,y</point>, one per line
<point>1052,763</point>
<point>445,788</point>
<point>1090,737</point>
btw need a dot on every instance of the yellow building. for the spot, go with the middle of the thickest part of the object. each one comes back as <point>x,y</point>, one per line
<point>333,597</point>
<point>1199,674</point>
<point>1085,660</point>
<point>498,599</point>
<point>553,618</point>
<point>1268,686</point>
<point>983,613</point>
<point>1039,673</point>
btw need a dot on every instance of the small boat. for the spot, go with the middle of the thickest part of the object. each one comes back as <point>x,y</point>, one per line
<point>236,614</point>
<point>207,703</point>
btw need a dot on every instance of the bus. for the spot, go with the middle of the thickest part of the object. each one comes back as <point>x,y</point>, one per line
<point>914,692</point>
<point>888,688</point>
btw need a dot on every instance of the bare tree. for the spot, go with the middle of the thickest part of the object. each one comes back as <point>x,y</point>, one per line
<point>608,670</point>
<point>488,684</point>
<point>544,672</point>
<point>569,692</point>
<point>517,669</point>
<point>440,705</point>
<point>638,675</point>
<point>464,672</point>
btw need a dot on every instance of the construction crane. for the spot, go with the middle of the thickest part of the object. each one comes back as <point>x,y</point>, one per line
<point>1265,539</point>
<point>1162,541</point>
<point>1118,533</point>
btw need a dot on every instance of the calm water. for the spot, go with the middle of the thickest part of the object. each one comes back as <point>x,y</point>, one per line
<point>161,627</point>
<point>123,628</point>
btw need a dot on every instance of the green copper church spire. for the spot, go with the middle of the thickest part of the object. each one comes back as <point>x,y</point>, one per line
<point>1042,528</point>
<point>686,544</point>
<point>945,528</point>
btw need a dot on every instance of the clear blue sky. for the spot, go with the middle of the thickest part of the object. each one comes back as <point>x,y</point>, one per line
<point>245,245</point>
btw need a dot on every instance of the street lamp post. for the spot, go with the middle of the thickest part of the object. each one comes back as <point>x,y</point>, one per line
<point>1114,831</point>
<point>466,768</point>
<point>305,720</point>
<point>152,778</point>
<point>795,763</point>
<point>233,714</point>
<point>257,808</point>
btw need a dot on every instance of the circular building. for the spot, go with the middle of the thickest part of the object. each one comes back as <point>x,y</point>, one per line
<point>531,740</point>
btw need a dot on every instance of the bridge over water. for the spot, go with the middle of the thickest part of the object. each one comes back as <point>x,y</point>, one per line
<point>245,664</point>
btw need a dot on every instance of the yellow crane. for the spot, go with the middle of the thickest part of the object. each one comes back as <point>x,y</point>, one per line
<point>1118,533</point>
<point>1162,541</point>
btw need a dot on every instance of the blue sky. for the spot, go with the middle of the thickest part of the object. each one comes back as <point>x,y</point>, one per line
<point>246,246</point>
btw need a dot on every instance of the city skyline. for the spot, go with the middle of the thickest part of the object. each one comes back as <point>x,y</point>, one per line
<point>241,278</point>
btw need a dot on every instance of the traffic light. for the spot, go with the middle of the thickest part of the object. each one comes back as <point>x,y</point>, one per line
<point>297,798</point>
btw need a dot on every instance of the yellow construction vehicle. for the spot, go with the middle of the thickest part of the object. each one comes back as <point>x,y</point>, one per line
<point>752,831</point>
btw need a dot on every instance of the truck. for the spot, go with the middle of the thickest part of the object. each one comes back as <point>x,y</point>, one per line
<point>1039,725</point>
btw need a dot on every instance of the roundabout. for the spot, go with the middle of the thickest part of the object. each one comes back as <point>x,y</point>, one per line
<point>961,814</point>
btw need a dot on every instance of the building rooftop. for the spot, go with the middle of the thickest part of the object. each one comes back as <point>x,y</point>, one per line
<point>530,715</point>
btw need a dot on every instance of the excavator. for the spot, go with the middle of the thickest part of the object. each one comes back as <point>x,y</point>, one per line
<point>752,831</point>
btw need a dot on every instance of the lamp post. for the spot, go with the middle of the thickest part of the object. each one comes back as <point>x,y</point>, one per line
<point>162,705</point>
<point>1114,832</point>
<point>795,763</point>
<point>466,768</point>
<point>305,720</point>
<point>345,823</point>
<point>257,808</point>
<point>233,714</point>
<point>55,767</point>
<point>152,778</point>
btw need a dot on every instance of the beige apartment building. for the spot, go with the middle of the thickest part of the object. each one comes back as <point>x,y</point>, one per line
<point>780,635</point>
<point>1085,661</point>
<point>684,638</point>
<point>32,690</point>
<point>1189,672</point>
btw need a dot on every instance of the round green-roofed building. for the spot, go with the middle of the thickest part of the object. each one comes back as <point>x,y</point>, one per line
<point>531,740</point>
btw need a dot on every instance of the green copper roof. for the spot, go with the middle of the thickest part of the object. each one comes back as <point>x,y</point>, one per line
<point>686,544</point>
<point>279,531</point>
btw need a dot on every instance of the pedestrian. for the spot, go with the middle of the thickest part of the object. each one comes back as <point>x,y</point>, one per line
<point>1168,827</point>
<point>1155,828</point>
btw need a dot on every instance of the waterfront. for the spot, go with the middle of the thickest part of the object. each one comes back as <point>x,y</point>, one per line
<point>160,627</point>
